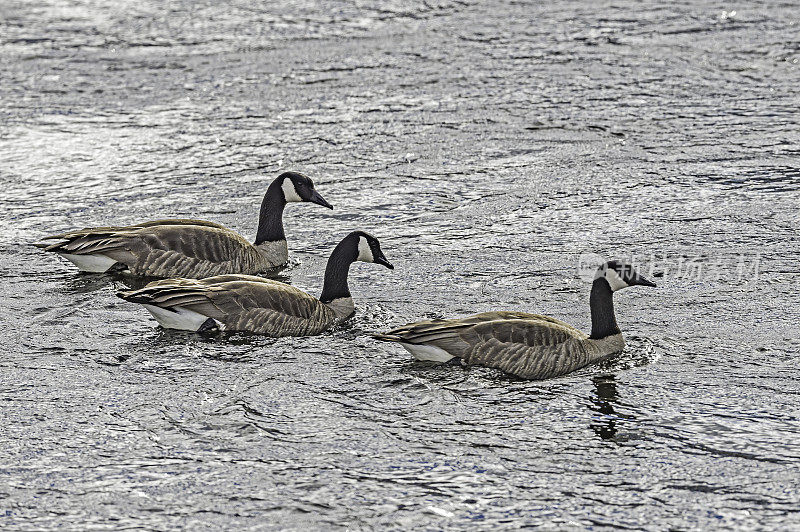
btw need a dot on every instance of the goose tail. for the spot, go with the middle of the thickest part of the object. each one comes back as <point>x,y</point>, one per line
<point>135,296</point>
<point>387,337</point>
<point>426,341</point>
<point>174,305</point>
<point>49,246</point>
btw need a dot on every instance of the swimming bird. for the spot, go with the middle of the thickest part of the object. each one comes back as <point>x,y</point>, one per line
<point>255,304</point>
<point>529,346</point>
<point>189,248</point>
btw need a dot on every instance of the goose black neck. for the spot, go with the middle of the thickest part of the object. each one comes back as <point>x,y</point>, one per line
<point>601,303</point>
<point>336,271</point>
<point>270,219</point>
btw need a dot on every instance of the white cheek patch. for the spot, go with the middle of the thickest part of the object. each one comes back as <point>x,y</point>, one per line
<point>364,251</point>
<point>614,280</point>
<point>289,192</point>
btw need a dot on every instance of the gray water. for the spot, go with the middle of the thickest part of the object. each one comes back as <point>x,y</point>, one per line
<point>489,145</point>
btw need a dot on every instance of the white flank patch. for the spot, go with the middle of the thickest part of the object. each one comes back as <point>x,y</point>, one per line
<point>98,263</point>
<point>427,352</point>
<point>364,251</point>
<point>289,192</point>
<point>614,280</point>
<point>181,318</point>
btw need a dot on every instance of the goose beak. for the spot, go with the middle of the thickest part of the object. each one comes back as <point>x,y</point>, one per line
<point>382,260</point>
<point>319,200</point>
<point>642,281</point>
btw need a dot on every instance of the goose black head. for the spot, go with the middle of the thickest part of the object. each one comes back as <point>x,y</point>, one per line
<point>620,275</point>
<point>297,187</point>
<point>368,249</point>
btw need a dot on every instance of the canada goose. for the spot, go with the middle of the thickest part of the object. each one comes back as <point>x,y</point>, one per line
<point>189,248</point>
<point>255,304</point>
<point>529,346</point>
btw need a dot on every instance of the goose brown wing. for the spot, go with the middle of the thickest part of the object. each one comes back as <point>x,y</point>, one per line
<point>202,243</point>
<point>422,331</point>
<point>527,348</point>
<point>241,302</point>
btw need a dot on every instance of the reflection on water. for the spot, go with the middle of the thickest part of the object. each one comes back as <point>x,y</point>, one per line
<point>777,179</point>
<point>85,283</point>
<point>606,421</point>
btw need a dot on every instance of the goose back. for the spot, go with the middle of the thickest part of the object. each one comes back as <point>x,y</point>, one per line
<point>71,235</point>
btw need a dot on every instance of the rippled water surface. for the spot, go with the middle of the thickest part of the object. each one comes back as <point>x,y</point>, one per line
<point>488,145</point>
